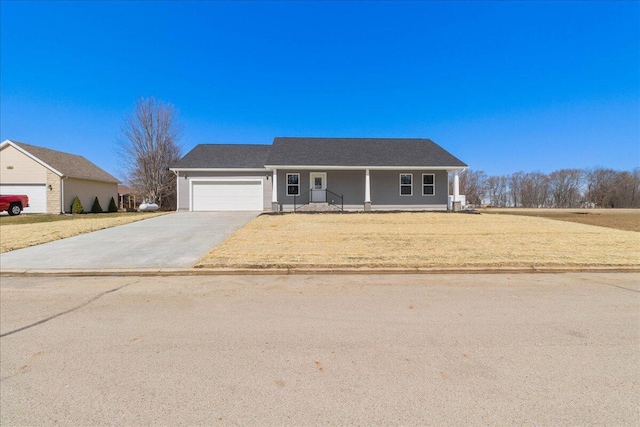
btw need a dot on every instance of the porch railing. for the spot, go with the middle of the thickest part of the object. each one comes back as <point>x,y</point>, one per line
<point>301,200</point>
<point>341,197</point>
<point>318,196</point>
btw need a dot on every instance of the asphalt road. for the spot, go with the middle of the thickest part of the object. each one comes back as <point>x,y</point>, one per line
<point>541,349</point>
<point>176,240</point>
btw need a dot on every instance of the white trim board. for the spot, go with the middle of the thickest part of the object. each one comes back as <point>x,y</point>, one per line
<point>363,168</point>
<point>269,168</point>
<point>219,169</point>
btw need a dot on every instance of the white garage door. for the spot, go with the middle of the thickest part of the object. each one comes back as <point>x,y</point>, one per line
<point>37,195</point>
<point>227,196</point>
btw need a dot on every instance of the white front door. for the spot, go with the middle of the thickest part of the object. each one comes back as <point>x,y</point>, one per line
<point>318,182</point>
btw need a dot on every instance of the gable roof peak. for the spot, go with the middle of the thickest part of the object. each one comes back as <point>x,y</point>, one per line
<point>63,164</point>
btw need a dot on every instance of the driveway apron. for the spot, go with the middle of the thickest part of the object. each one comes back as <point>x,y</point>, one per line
<point>174,240</point>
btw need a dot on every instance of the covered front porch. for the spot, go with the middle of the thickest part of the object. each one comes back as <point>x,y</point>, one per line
<point>362,189</point>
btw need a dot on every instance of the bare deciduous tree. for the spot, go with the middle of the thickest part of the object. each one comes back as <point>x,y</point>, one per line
<point>147,146</point>
<point>534,190</point>
<point>626,190</point>
<point>497,190</point>
<point>515,188</point>
<point>600,186</point>
<point>564,185</point>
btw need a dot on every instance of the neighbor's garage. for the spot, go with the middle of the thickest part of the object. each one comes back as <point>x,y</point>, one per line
<point>227,195</point>
<point>37,194</point>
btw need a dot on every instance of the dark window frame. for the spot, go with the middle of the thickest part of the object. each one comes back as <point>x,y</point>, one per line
<point>425,185</point>
<point>410,185</point>
<point>288,185</point>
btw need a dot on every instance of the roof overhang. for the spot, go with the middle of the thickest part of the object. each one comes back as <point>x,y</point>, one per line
<point>8,142</point>
<point>219,169</point>
<point>305,167</point>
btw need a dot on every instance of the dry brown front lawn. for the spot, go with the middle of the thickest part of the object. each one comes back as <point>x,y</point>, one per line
<point>622,219</point>
<point>28,230</point>
<point>421,240</point>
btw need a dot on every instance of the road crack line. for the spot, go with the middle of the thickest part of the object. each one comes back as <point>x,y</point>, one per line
<point>610,284</point>
<point>40,322</point>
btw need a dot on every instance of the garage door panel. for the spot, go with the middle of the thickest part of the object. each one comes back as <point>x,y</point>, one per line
<point>37,194</point>
<point>227,196</point>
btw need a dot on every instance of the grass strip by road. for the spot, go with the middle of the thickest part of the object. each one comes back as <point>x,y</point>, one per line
<point>421,240</point>
<point>28,230</point>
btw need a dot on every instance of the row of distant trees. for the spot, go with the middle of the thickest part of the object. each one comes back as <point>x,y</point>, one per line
<point>565,188</point>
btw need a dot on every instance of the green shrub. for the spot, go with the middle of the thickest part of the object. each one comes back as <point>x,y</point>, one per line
<point>76,206</point>
<point>96,208</point>
<point>112,206</point>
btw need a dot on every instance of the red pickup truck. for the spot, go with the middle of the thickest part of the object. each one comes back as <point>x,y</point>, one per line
<point>14,204</point>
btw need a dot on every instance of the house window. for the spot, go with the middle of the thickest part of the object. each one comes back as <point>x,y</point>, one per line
<point>428,184</point>
<point>293,184</point>
<point>406,184</point>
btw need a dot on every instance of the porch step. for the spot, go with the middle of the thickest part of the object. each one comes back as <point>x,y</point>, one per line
<point>318,207</point>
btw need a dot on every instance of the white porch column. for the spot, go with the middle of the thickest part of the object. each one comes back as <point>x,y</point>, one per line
<point>455,204</point>
<point>367,191</point>
<point>274,191</point>
<point>456,185</point>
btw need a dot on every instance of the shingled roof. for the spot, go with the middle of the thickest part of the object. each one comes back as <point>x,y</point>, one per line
<point>362,152</point>
<point>69,165</point>
<point>225,156</point>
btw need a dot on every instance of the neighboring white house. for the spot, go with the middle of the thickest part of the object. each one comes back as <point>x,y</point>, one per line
<point>52,179</point>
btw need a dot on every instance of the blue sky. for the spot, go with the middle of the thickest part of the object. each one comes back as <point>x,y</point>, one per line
<point>504,86</point>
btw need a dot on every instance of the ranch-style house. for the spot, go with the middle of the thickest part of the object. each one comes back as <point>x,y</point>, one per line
<point>318,174</point>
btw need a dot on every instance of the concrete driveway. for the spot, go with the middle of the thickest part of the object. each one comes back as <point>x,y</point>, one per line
<point>174,240</point>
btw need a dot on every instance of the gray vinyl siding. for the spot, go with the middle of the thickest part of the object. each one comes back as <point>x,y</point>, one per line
<point>183,192</point>
<point>385,188</point>
<point>283,199</point>
<point>286,202</point>
<point>349,184</point>
<point>186,177</point>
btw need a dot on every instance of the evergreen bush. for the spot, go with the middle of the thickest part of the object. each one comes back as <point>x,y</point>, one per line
<point>112,206</point>
<point>96,208</point>
<point>76,206</point>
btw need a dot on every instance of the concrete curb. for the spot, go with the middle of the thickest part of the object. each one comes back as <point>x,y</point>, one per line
<point>307,271</point>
